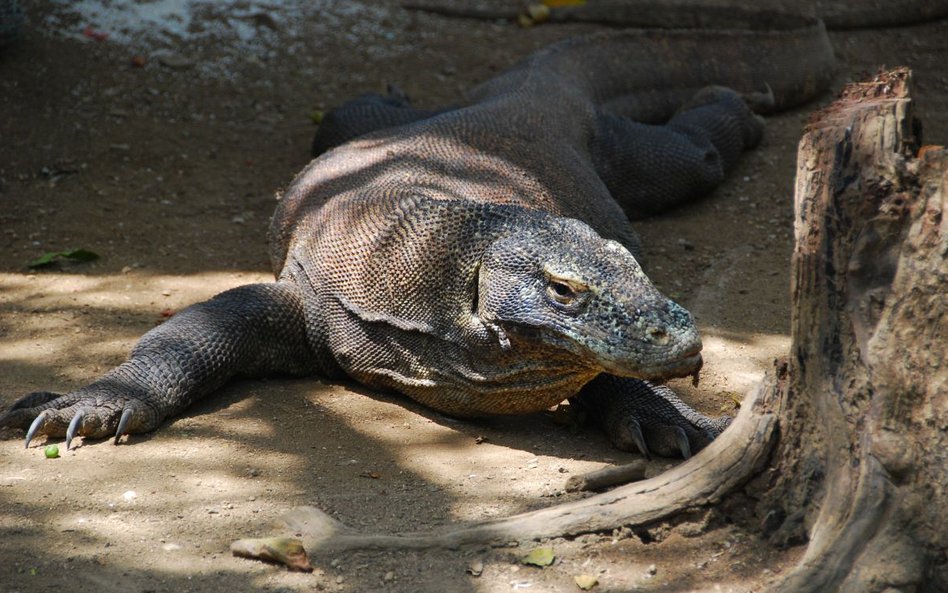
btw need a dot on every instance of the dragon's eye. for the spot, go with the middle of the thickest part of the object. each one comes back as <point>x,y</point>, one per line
<point>565,292</point>
<point>561,291</point>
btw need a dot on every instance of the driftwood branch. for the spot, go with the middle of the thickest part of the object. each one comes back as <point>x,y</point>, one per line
<point>703,480</point>
<point>607,477</point>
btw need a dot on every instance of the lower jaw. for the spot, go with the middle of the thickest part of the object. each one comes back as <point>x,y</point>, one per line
<point>682,367</point>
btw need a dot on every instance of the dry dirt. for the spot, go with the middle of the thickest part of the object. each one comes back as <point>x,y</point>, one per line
<point>167,169</point>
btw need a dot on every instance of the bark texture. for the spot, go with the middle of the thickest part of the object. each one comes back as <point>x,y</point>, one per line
<point>863,418</point>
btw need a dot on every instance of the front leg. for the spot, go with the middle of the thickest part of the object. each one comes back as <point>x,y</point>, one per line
<point>639,415</point>
<point>249,330</point>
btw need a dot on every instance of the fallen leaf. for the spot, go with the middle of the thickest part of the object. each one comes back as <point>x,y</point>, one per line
<point>284,550</point>
<point>735,398</point>
<point>539,557</point>
<point>93,34</point>
<point>585,581</point>
<point>538,13</point>
<point>80,255</point>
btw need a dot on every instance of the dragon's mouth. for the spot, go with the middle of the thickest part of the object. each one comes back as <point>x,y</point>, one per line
<point>687,365</point>
<point>682,366</point>
<point>646,363</point>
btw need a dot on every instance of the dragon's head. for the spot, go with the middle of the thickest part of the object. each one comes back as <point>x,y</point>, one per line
<point>558,282</point>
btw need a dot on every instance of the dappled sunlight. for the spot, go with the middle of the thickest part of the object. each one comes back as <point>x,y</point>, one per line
<point>141,507</point>
<point>167,171</point>
<point>228,467</point>
<point>760,338</point>
<point>72,328</point>
<point>244,421</point>
<point>24,351</point>
<point>37,291</point>
<point>735,362</point>
<point>748,343</point>
<point>483,477</point>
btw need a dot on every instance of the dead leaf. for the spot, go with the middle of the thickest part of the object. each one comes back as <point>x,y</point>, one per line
<point>538,13</point>
<point>539,557</point>
<point>929,148</point>
<point>94,34</point>
<point>585,581</point>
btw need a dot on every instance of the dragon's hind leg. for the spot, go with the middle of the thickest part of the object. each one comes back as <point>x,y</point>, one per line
<point>649,168</point>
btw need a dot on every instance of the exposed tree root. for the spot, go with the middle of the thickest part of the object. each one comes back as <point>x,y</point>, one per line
<point>607,477</point>
<point>722,466</point>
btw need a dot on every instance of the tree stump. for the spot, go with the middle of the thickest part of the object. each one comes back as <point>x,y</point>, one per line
<point>863,449</point>
<point>846,444</point>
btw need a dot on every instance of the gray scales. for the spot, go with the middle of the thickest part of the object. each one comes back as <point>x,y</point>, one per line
<point>479,258</point>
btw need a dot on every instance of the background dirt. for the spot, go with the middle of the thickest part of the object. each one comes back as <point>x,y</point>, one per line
<point>167,169</point>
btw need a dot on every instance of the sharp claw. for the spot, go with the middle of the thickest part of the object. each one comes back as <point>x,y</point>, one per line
<point>123,424</point>
<point>683,444</point>
<point>73,426</point>
<point>33,428</point>
<point>639,439</point>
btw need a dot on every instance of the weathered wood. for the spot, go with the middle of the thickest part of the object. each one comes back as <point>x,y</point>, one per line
<point>862,452</point>
<point>606,477</point>
<point>703,480</point>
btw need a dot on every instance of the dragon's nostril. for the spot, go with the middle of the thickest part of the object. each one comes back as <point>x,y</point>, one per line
<point>657,335</point>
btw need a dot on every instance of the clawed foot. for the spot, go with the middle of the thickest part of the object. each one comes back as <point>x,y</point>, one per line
<point>651,419</point>
<point>98,411</point>
<point>664,439</point>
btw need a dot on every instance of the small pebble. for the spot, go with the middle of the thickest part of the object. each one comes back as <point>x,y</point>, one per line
<point>174,61</point>
<point>475,568</point>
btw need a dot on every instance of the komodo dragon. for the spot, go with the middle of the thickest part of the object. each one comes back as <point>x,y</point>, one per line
<point>480,259</point>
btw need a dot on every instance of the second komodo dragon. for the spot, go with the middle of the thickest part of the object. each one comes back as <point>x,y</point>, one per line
<point>479,258</point>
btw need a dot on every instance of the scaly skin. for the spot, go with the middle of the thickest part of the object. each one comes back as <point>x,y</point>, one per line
<point>477,258</point>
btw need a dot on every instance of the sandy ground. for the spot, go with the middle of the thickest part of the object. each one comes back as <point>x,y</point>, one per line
<point>160,148</point>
